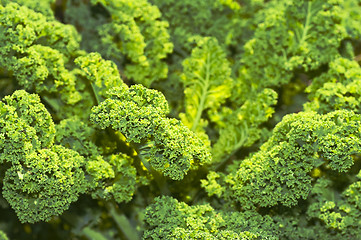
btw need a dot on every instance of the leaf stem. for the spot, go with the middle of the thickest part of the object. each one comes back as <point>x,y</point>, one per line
<point>307,23</point>
<point>95,93</point>
<point>202,101</point>
<point>123,223</point>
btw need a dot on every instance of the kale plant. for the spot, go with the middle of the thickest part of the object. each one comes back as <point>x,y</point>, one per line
<point>195,119</point>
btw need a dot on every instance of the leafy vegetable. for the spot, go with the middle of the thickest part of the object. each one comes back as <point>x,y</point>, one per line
<point>127,32</point>
<point>194,119</point>
<point>279,172</point>
<point>139,113</point>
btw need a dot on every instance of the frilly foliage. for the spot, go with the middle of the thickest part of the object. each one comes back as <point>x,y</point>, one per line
<point>140,114</point>
<point>36,51</point>
<point>194,119</point>
<point>42,179</point>
<point>49,166</point>
<point>339,211</point>
<point>207,82</point>
<point>241,127</point>
<point>226,28</point>
<point>26,126</point>
<point>300,143</point>
<point>336,89</point>
<point>170,219</point>
<point>293,35</point>
<point>127,32</point>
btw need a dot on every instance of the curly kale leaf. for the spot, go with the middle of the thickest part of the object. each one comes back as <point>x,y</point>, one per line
<point>242,127</point>
<point>294,35</point>
<point>44,56</point>
<point>126,32</point>
<point>280,171</point>
<point>214,18</point>
<point>43,6</point>
<point>35,50</point>
<point>134,111</point>
<point>112,178</point>
<point>351,18</point>
<point>44,184</point>
<point>208,85</point>
<point>109,176</point>
<point>336,89</point>
<point>339,212</point>
<point>101,74</point>
<point>25,126</point>
<point>140,114</point>
<point>167,218</point>
<point>75,134</point>
<point>41,179</point>
<point>207,81</point>
<point>46,167</point>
